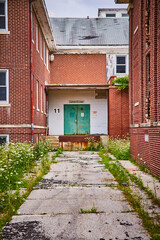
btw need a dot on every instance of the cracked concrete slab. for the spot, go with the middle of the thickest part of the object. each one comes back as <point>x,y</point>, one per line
<point>52,210</point>
<point>148,180</point>
<point>89,226</point>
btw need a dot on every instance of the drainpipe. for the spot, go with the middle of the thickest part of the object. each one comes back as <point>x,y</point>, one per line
<point>47,110</point>
<point>31,70</point>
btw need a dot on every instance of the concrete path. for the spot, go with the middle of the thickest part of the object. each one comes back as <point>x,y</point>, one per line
<point>75,184</point>
<point>148,180</point>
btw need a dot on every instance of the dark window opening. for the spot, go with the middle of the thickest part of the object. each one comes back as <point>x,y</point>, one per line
<point>2,15</point>
<point>110,14</point>
<point>3,86</point>
<point>3,140</point>
<point>147,21</point>
<point>121,64</point>
<point>124,15</point>
<point>148,93</point>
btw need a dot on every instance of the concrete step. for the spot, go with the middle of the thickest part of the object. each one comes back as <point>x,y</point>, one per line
<point>54,141</point>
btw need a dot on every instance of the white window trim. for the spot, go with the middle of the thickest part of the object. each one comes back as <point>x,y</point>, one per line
<point>41,99</point>
<point>6,16</point>
<point>44,52</point>
<point>41,46</point>
<point>37,95</point>
<point>37,37</point>
<point>44,102</point>
<point>7,86</point>
<point>5,135</point>
<point>47,56</point>
<point>126,65</point>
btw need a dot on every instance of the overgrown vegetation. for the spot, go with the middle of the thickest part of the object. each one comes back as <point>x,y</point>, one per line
<point>93,145</point>
<point>22,166</point>
<point>121,82</point>
<point>120,148</point>
<point>124,179</point>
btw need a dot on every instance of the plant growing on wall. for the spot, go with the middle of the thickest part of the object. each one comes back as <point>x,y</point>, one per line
<point>121,82</point>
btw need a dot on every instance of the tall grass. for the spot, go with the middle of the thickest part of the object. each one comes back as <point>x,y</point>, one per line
<point>120,148</point>
<point>17,158</point>
<point>22,165</point>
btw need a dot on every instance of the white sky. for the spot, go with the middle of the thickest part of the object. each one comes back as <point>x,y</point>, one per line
<point>79,8</point>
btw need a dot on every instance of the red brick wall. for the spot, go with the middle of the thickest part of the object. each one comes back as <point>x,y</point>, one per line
<point>79,69</point>
<point>118,112</point>
<point>41,74</point>
<point>15,56</point>
<point>147,153</point>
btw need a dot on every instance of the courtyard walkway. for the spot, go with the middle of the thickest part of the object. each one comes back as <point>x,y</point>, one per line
<point>77,200</point>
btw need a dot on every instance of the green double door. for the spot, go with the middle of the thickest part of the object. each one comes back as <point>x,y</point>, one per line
<point>76,119</point>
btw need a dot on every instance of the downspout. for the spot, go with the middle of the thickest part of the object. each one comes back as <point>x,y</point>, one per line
<point>31,70</point>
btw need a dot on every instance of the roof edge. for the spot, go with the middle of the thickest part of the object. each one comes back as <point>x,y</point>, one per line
<point>122,1</point>
<point>41,12</point>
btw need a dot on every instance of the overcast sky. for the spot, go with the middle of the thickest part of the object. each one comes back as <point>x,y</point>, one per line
<point>79,8</point>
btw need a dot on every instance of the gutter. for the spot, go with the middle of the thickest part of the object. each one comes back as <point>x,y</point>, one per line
<point>31,71</point>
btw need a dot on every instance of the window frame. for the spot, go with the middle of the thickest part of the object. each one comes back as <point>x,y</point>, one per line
<point>44,101</point>
<point>7,137</point>
<point>125,15</point>
<point>37,86</point>
<point>117,64</point>
<point>7,87</point>
<point>110,15</point>
<point>37,37</point>
<point>44,52</point>
<point>41,99</point>
<point>6,16</point>
<point>47,59</point>
<point>41,46</point>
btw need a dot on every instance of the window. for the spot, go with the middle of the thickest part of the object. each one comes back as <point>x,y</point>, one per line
<point>147,21</point>
<point>110,15</point>
<point>3,15</point>
<point>44,101</point>
<point>4,138</point>
<point>121,64</point>
<point>44,52</point>
<point>148,93</point>
<point>41,46</point>
<point>37,35</point>
<point>38,95</point>
<point>41,98</point>
<point>124,15</point>
<point>47,58</point>
<point>4,89</point>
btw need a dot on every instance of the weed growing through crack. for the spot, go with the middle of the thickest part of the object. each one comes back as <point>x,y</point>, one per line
<point>92,210</point>
<point>122,176</point>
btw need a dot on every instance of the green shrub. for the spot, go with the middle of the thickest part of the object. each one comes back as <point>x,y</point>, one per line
<point>120,148</point>
<point>41,148</point>
<point>121,82</point>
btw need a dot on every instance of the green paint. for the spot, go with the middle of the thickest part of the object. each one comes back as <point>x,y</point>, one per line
<point>77,119</point>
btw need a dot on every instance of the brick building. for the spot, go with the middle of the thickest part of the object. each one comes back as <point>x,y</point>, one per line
<point>52,68</point>
<point>144,75</point>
